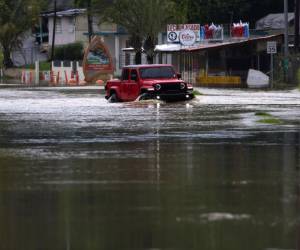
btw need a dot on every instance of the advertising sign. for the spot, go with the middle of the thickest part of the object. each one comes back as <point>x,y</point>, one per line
<point>187,37</point>
<point>174,30</point>
<point>97,60</point>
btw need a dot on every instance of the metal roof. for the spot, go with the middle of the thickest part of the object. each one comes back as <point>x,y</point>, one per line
<point>273,21</point>
<point>208,46</point>
<point>71,12</point>
<point>148,66</point>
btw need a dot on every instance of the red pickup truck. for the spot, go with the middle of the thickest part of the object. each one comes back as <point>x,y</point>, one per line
<point>155,81</point>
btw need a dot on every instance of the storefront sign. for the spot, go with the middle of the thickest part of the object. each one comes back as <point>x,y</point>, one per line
<point>174,30</point>
<point>97,60</point>
<point>187,37</point>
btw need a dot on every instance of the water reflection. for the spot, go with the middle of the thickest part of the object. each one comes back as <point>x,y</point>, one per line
<point>144,176</point>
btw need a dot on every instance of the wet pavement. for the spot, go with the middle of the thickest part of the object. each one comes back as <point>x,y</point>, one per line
<point>77,172</point>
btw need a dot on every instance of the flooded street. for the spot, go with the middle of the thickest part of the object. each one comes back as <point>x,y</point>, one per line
<point>77,172</point>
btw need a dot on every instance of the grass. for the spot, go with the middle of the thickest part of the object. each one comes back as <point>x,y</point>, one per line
<point>267,118</point>
<point>196,92</point>
<point>263,114</point>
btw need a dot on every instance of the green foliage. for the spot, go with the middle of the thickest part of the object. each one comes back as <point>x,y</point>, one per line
<point>144,19</point>
<point>44,66</point>
<point>16,18</point>
<point>225,11</point>
<point>268,118</point>
<point>72,52</point>
<point>1,59</point>
<point>271,120</point>
<point>197,93</point>
<point>263,114</point>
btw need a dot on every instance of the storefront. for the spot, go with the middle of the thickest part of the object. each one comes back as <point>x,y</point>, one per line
<point>213,59</point>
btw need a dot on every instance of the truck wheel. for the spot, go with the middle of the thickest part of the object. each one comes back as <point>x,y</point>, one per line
<point>144,96</point>
<point>113,98</point>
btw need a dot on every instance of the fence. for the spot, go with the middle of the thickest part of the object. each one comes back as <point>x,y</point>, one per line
<point>62,73</point>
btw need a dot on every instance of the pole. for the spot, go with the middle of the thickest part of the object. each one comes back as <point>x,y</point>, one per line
<point>54,31</point>
<point>37,72</point>
<point>296,42</point>
<point>272,70</point>
<point>286,40</point>
<point>90,20</point>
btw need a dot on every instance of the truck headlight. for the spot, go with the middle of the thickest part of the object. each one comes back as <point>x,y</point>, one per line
<point>157,87</point>
<point>182,85</point>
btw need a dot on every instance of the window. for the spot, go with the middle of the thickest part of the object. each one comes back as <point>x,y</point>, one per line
<point>58,27</point>
<point>125,74</point>
<point>157,72</point>
<point>133,75</point>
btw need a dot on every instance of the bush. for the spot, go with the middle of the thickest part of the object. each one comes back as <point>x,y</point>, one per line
<point>69,52</point>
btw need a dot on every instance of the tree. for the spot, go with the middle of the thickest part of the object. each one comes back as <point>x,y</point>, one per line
<point>223,11</point>
<point>143,20</point>
<point>16,18</point>
<point>88,5</point>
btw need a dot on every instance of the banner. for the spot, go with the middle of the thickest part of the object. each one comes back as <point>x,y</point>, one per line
<point>211,33</point>
<point>240,30</point>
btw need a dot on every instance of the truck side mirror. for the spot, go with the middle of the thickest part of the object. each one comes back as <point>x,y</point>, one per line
<point>179,75</point>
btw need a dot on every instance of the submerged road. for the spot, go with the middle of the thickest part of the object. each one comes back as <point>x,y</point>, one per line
<point>219,172</point>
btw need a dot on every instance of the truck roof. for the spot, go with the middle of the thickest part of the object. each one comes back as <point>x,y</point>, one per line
<point>147,66</point>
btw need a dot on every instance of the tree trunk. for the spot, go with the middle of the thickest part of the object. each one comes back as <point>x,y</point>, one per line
<point>138,57</point>
<point>150,59</point>
<point>7,61</point>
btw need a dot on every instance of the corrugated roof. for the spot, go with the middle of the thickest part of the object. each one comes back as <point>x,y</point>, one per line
<point>71,12</point>
<point>203,47</point>
<point>273,21</point>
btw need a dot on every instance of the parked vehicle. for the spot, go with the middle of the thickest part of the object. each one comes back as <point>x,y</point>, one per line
<point>142,82</point>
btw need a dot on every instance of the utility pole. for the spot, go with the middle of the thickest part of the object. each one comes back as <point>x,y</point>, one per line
<point>296,41</point>
<point>90,20</point>
<point>286,40</point>
<point>54,31</point>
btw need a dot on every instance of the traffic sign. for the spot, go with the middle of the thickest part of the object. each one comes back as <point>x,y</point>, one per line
<point>272,47</point>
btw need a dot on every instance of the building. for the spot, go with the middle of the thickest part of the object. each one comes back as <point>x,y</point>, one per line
<point>226,62</point>
<point>72,26</point>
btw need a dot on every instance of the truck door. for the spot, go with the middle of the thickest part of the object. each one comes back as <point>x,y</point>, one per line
<point>133,87</point>
<point>124,83</point>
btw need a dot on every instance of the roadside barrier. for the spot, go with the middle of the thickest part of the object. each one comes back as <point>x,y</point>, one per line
<point>63,75</point>
<point>27,77</point>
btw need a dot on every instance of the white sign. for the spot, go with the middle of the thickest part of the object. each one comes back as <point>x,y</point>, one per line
<point>173,31</point>
<point>187,37</point>
<point>272,47</point>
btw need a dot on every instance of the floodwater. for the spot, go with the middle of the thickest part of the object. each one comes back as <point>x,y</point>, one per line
<point>77,172</point>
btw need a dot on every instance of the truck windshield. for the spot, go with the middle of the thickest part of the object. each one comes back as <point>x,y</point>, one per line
<point>157,72</point>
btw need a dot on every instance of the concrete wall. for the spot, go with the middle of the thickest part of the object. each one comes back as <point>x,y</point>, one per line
<point>65,30</point>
